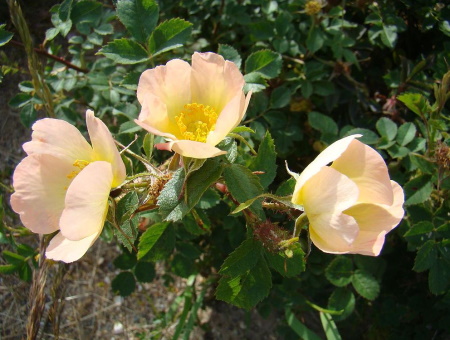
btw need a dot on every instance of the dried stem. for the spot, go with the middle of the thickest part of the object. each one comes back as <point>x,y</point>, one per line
<point>37,293</point>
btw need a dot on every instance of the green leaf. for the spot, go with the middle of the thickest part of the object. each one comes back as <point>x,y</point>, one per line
<point>85,11</point>
<point>200,180</point>
<point>254,82</point>
<point>170,206</point>
<point>156,242</point>
<point>28,115</point>
<point>145,271</point>
<point>139,17</point>
<point>326,125</point>
<point>439,276</point>
<point>329,327</point>
<point>168,35</point>
<point>368,136</point>
<point>365,284</point>
<point>265,161</point>
<point>418,190</point>
<point>8,268</point>
<point>247,289</point>
<point>315,40</point>
<point>124,284</point>
<point>386,128</point>
<point>343,300</point>
<point>20,100</point>
<point>5,36</point>
<point>242,259</point>
<point>389,35</point>
<point>423,164</point>
<point>127,206</point>
<point>287,266</point>
<point>230,53</point>
<point>266,63</point>
<point>126,260</point>
<point>244,185</point>
<point>426,256</point>
<point>182,266</point>
<point>300,329</point>
<point>280,97</point>
<point>240,129</point>
<point>128,232</point>
<point>124,51</point>
<point>416,102</point>
<point>25,272</point>
<point>421,228</point>
<point>65,9</point>
<point>13,258</point>
<point>406,133</point>
<point>339,272</point>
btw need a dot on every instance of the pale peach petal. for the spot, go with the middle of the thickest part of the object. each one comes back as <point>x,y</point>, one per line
<point>104,147</point>
<point>373,217</point>
<point>153,130</point>
<point>40,182</point>
<point>63,249</point>
<point>86,202</point>
<point>367,169</point>
<point>171,84</point>
<point>214,81</point>
<point>228,119</point>
<point>326,192</point>
<point>59,138</point>
<point>154,113</point>
<point>194,149</point>
<point>327,156</point>
<point>333,233</point>
<point>396,209</point>
<point>368,243</point>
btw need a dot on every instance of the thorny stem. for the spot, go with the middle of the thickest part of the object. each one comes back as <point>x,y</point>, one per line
<point>54,57</point>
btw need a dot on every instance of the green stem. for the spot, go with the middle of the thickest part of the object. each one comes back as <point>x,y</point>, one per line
<point>300,222</point>
<point>243,140</point>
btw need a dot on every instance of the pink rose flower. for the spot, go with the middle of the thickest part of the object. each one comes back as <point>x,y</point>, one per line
<point>193,107</point>
<point>350,204</point>
<point>64,184</point>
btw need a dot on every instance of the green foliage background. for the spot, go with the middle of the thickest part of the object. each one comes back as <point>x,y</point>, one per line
<point>375,68</point>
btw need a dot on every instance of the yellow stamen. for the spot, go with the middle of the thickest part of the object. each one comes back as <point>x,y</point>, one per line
<point>80,164</point>
<point>195,122</point>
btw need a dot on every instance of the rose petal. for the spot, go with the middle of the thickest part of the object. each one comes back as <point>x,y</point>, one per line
<point>59,138</point>
<point>214,80</point>
<point>326,192</point>
<point>228,119</point>
<point>86,202</point>
<point>368,243</point>
<point>63,249</point>
<point>40,183</point>
<point>104,147</point>
<point>154,130</point>
<point>333,233</point>
<point>367,169</point>
<point>171,84</point>
<point>194,149</point>
<point>328,155</point>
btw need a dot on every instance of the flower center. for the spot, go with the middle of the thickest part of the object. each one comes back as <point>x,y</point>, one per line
<point>195,121</point>
<point>80,164</point>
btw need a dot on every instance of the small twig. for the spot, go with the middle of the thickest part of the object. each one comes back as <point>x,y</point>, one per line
<point>54,57</point>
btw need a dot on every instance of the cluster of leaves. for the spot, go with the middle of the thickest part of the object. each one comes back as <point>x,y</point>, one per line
<point>316,76</point>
